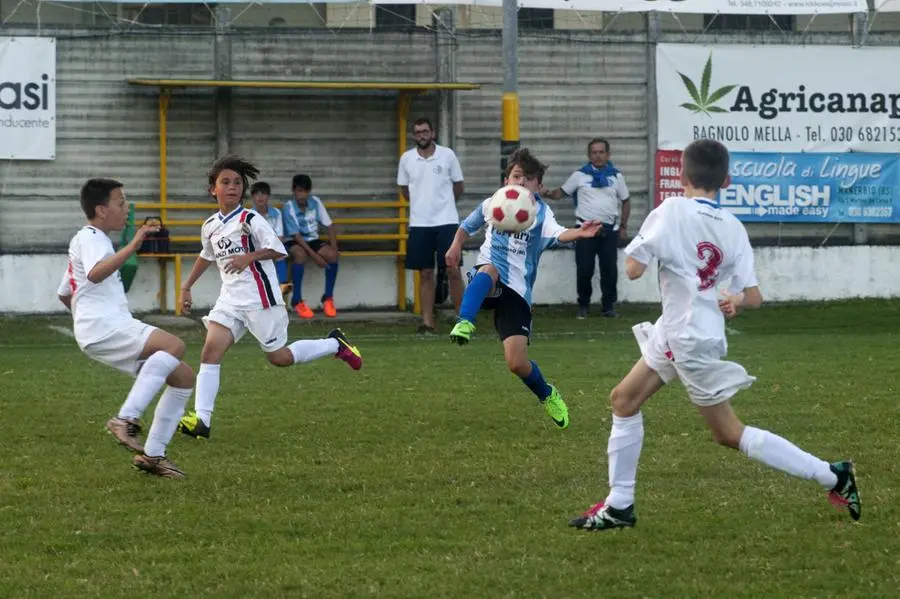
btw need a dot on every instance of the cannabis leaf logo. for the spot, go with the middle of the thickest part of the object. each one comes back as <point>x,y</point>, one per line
<point>703,100</point>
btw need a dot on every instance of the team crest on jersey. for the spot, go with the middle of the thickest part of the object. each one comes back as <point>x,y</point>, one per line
<point>245,228</point>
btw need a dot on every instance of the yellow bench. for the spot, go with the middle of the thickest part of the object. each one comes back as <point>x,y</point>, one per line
<point>405,91</point>
<point>177,258</point>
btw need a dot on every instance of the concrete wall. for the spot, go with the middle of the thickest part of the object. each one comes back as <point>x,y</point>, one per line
<point>30,281</point>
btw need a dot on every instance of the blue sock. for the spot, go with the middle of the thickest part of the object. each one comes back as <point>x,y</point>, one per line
<point>330,278</point>
<point>281,270</point>
<point>475,293</point>
<point>535,381</point>
<point>297,275</point>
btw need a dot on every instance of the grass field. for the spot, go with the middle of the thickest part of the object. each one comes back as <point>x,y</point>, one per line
<point>434,473</point>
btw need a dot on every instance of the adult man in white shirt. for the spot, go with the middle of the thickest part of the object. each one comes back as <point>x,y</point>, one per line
<point>697,246</point>
<point>600,193</point>
<point>431,180</point>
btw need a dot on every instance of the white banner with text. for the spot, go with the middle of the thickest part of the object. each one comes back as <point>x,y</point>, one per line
<point>27,98</point>
<point>779,98</point>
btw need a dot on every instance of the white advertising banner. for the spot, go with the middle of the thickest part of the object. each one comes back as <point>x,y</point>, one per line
<point>27,98</point>
<point>779,98</point>
<point>731,7</point>
<point>887,5</point>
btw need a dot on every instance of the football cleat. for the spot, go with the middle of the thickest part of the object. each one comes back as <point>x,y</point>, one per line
<point>303,311</point>
<point>328,307</point>
<point>159,466</point>
<point>346,350</point>
<point>603,517</point>
<point>462,332</point>
<point>126,431</point>
<point>192,426</point>
<point>556,407</point>
<point>845,494</point>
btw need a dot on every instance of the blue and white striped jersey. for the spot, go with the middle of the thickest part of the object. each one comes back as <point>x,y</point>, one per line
<point>305,222</point>
<point>515,255</point>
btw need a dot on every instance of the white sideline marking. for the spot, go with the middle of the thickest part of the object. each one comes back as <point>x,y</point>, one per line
<point>63,330</point>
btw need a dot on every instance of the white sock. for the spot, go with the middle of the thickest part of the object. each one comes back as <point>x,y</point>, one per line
<point>307,350</point>
<point>149,381</point>
<point>781,454</point>
<point>165,420</point>
<point>624,450</point>
<point>207,389</point>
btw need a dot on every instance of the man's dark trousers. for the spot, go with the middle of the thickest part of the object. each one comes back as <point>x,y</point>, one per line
<point>604,248</point>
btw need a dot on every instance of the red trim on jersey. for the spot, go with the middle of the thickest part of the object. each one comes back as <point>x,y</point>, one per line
<point>72,283</point>
<point>245,243</point>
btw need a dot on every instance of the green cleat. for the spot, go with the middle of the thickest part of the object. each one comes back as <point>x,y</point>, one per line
<point>556,407</point>
<point>192,426</point>
<point>462,332</point>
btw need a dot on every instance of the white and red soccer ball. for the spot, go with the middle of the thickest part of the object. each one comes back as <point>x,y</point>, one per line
<point>512,209</point>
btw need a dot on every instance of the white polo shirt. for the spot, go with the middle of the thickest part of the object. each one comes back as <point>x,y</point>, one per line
<point>430,181</point>
<point>596,203</point>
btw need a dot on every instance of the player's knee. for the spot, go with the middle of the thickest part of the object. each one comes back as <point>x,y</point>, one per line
<point>454,274</point>
<point>517,362</point>
<point>282,357</point>
<point>176,347</point>
<point>183,377</point>
<point>427,276</point>
<point>622,402</point>
<point>298,256</point>
<point>489,270</point>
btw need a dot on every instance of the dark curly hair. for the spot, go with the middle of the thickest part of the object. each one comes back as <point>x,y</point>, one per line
<point>247,170</point>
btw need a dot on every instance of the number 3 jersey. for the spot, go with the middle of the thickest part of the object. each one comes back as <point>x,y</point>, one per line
<point>698,246</point>
<point>241,232</point>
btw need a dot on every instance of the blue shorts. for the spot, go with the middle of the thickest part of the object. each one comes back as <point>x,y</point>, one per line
<point>426,246</point>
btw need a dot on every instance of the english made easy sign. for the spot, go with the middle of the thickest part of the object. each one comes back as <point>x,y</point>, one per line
<point>27,98</point>
<point>779,98</point>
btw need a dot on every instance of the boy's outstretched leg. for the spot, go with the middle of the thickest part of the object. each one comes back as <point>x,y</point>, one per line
<point>515,350</point>
<point>838,479</point>
<point>623,450</point>
<point>478,289</point>
<point>306,350</point>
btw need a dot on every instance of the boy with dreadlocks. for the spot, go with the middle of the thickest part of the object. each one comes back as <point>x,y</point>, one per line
<point>243,246</point>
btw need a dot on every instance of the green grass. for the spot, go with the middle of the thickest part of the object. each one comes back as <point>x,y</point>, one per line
<point>434,473</point>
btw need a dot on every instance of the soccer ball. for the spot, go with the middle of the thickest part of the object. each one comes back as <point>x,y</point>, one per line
<point>512,209</point>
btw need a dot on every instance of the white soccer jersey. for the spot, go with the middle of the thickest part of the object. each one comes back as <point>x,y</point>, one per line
<point>515,255</point>
<point>97,308</point>
<point>240,232</point>
<point>698,245</point>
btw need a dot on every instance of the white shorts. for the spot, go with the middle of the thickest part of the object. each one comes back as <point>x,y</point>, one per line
<point>122,347</point>
<point>708,379</point>
<point>268,325</point>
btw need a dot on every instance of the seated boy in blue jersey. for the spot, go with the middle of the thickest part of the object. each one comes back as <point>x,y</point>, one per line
<point>302,217</point>
<point>504,275</point>
<point>260,192</point>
